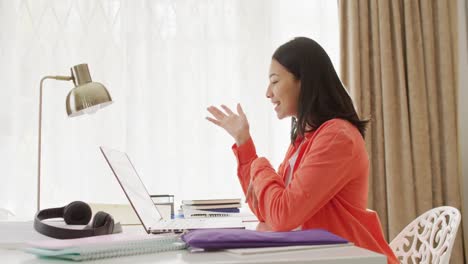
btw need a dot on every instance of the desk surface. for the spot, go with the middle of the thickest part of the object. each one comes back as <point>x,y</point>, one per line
<point>349,255</point>
<point>336,255</point>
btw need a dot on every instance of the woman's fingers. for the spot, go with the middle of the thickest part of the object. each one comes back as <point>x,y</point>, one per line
<point>228,111</point>
<point>214,121</point>
<point>237,126</point>
<point>216,112</point>
<point>240,110</point>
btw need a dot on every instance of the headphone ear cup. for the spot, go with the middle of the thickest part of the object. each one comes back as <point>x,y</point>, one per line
<point>103,219</point>
<point>77,213</point>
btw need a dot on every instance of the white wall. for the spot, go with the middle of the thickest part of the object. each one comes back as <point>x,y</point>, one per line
<point>463,108</point>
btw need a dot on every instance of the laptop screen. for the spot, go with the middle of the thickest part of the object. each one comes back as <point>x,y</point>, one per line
<point>133,187</point>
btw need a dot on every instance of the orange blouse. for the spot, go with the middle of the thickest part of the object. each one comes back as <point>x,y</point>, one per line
<point>328,188</point>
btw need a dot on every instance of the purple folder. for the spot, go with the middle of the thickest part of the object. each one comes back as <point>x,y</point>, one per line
<point>211,239</point>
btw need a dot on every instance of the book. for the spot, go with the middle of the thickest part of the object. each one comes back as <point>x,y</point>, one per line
<point>222,210</point>
<point>211,206</point>
<point>193,213</point>
<point>211,201</point>
<point>106,246</point>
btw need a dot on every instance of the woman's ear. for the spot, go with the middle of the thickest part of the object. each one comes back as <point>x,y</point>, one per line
<point>298,83</point>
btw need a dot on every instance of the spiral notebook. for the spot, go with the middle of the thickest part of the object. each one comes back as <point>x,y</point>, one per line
<point>106,246</point>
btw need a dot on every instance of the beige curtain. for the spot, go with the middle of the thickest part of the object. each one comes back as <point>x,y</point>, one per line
<point>399,62</point>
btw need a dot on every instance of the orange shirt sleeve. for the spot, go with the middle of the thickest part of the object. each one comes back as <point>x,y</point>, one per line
<point>246,154</point>
<point>321,174</point>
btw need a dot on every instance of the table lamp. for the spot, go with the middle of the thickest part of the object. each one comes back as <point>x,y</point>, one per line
<point>86,97</point>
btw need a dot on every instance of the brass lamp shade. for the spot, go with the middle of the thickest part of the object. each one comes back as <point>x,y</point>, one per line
<point>87,97</point>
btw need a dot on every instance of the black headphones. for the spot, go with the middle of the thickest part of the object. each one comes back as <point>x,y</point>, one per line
<point>75,213</point>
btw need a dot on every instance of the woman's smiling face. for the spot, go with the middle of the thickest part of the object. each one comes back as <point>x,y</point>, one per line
<point>283,90</point>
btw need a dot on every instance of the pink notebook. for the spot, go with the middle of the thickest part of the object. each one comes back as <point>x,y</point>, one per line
<point>56,244</point>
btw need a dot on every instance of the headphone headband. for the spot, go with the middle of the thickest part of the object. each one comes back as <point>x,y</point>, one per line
<point>103,223</point>
<point>50,213</point>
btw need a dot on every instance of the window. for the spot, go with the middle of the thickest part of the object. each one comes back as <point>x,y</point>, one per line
<point>163,62</point>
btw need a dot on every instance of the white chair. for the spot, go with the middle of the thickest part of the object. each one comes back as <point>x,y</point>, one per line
<point>429,238</point>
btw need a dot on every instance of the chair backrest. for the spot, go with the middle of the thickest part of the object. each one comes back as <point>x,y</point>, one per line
<point>429,238</point>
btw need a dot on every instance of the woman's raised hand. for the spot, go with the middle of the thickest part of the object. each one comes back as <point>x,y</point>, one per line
<point>235,124</point>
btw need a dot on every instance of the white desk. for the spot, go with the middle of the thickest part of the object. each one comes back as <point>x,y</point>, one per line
<point>337,255</point>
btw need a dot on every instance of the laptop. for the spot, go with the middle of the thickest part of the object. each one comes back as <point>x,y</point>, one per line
<point>147,212</point>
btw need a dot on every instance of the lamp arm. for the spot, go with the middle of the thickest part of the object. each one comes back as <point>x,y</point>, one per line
<point>60,78</point>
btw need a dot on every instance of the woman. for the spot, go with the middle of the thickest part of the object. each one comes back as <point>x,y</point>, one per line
<point>323,180</point>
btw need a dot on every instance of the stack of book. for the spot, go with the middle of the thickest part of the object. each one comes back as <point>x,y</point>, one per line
<point>210,208</point>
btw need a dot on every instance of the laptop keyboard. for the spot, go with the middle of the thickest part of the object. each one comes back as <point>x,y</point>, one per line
<point>188,223</point>
<point>179,225</point>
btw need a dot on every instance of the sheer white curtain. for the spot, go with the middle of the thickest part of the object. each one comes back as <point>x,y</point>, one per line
<point>163,62</point>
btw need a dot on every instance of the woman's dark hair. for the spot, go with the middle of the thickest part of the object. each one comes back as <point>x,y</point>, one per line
<point>322,96</point>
